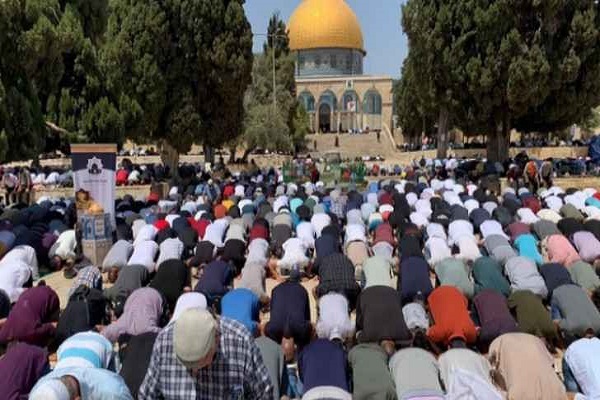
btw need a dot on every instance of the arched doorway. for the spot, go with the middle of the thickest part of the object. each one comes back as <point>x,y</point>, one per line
<point>325,118</point>
<point>328,112</point>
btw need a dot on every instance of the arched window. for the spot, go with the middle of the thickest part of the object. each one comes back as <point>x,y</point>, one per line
<point>350,101</point>
<point>307,100</point>
<point>372,102</point>
<point>329,97</point>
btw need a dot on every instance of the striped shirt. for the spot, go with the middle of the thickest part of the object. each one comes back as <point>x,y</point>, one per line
<point>85,349</point>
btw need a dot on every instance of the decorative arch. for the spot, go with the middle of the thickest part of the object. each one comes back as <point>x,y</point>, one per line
<point>307,100</point>
<point>372,102</point>
<point>329,98</point>
<point>349,97</point>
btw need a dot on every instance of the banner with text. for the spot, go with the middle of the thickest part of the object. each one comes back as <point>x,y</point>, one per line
<point>94,167</point>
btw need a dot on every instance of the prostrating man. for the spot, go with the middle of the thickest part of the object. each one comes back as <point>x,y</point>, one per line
<point>32,319</point>
<point>416,375</point>
<point>199,356</point>
<point>454,272</point>
<point>577,315</point>
<point>494,315</point>
<point>371,377</point>
<point>531,314</point>
<point>336,274</point>
<point>379,318</point>
<point>580,367</point>
<point>20,368</point>
<point>452,322</point>
<point>290,314</point>
<point>80,383</point>
<point>523,368</point>
<point>466,373</point>
<point>323,365</point>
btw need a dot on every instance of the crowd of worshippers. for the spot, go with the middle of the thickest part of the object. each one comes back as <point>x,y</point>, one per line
<point>425,289</point>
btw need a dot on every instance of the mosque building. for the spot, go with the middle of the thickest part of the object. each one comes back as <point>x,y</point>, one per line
<point>327,42</point>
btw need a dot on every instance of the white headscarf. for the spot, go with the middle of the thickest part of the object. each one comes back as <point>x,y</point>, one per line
<point>187,301</point>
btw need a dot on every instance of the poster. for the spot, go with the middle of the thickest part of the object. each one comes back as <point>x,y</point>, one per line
<point>94,167</point>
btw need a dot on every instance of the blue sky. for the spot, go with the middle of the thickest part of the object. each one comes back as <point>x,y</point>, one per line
<point>380,21</point>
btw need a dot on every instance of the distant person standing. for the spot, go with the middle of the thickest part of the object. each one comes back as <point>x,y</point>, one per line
<point>9,184</point>
<point>24,186</point>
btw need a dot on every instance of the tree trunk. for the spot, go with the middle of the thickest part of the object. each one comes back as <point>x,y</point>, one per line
<point>209,154</point>
<point>442,134</point>
<point>247,153</point>
<point>170,158</point>
<point>499,141</point>
<point>232,150</point>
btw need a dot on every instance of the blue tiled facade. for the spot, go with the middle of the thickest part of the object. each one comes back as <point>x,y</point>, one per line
<point>329,62</point>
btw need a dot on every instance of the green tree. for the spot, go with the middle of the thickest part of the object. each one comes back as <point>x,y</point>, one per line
<point>277,35</point>
<point>182,66</point>
<point>413,104</point>
<point>266,124</point>
<point>530,65</point>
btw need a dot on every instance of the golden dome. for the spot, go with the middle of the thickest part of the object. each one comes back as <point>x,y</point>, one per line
<point>318,24</point>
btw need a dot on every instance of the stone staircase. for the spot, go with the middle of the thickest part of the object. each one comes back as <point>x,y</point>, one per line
<point>352,146</point>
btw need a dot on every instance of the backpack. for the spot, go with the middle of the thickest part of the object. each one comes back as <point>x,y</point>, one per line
<point>86,309</point>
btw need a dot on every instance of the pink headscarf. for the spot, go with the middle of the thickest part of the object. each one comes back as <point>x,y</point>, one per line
<point>561,251</point>
<point>141,314</point>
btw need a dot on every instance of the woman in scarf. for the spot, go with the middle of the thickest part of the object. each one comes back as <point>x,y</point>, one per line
<point>142,313</point>
<point>32,318</point>
<point>187,301</point>
<point>20,368</point>
<point>170,280</point>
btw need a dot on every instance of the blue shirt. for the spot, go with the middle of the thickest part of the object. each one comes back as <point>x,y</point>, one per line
<point>243,306</point>
<point>94,383</point>
<point>323,363</point>
<point>526,244</point>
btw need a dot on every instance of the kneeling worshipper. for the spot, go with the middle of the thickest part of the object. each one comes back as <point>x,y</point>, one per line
<point>414,279</point>
<point>130,278</point>
<point>32,319</point>
<point>334,318</point>
<point>466,376</point>
<point>143,312</point>
<point>451,319</point>
<point>523,367</point>
<point>290,313</point>
<point>85,349</point>
<point>371,378</point>
<point>454,272</point>
<point>416,375</point>
<point>379,318</point>
<point>574,311</point>
<point>13,279</point>
<point>323,366</point>
<point>531,314</point>
<point>494,316</point>
<point>171,280</point>
<point>580,368</point>
<point>80,383</point>
<point>487,273</point>
<point>242,305</point>
<point>20,368</point>
<point>524,275</point>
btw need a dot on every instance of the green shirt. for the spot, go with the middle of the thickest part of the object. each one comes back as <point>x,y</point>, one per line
<point>372,379</point>
<point>488,275</point>
<point>584,275</point>
<point>532,316</point>
<point>454,272</point>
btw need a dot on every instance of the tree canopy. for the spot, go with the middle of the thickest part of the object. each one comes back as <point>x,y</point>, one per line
<point>499,65</point>
<point>172,72</point>
<point>183,65</point>
<point>279,126</point>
